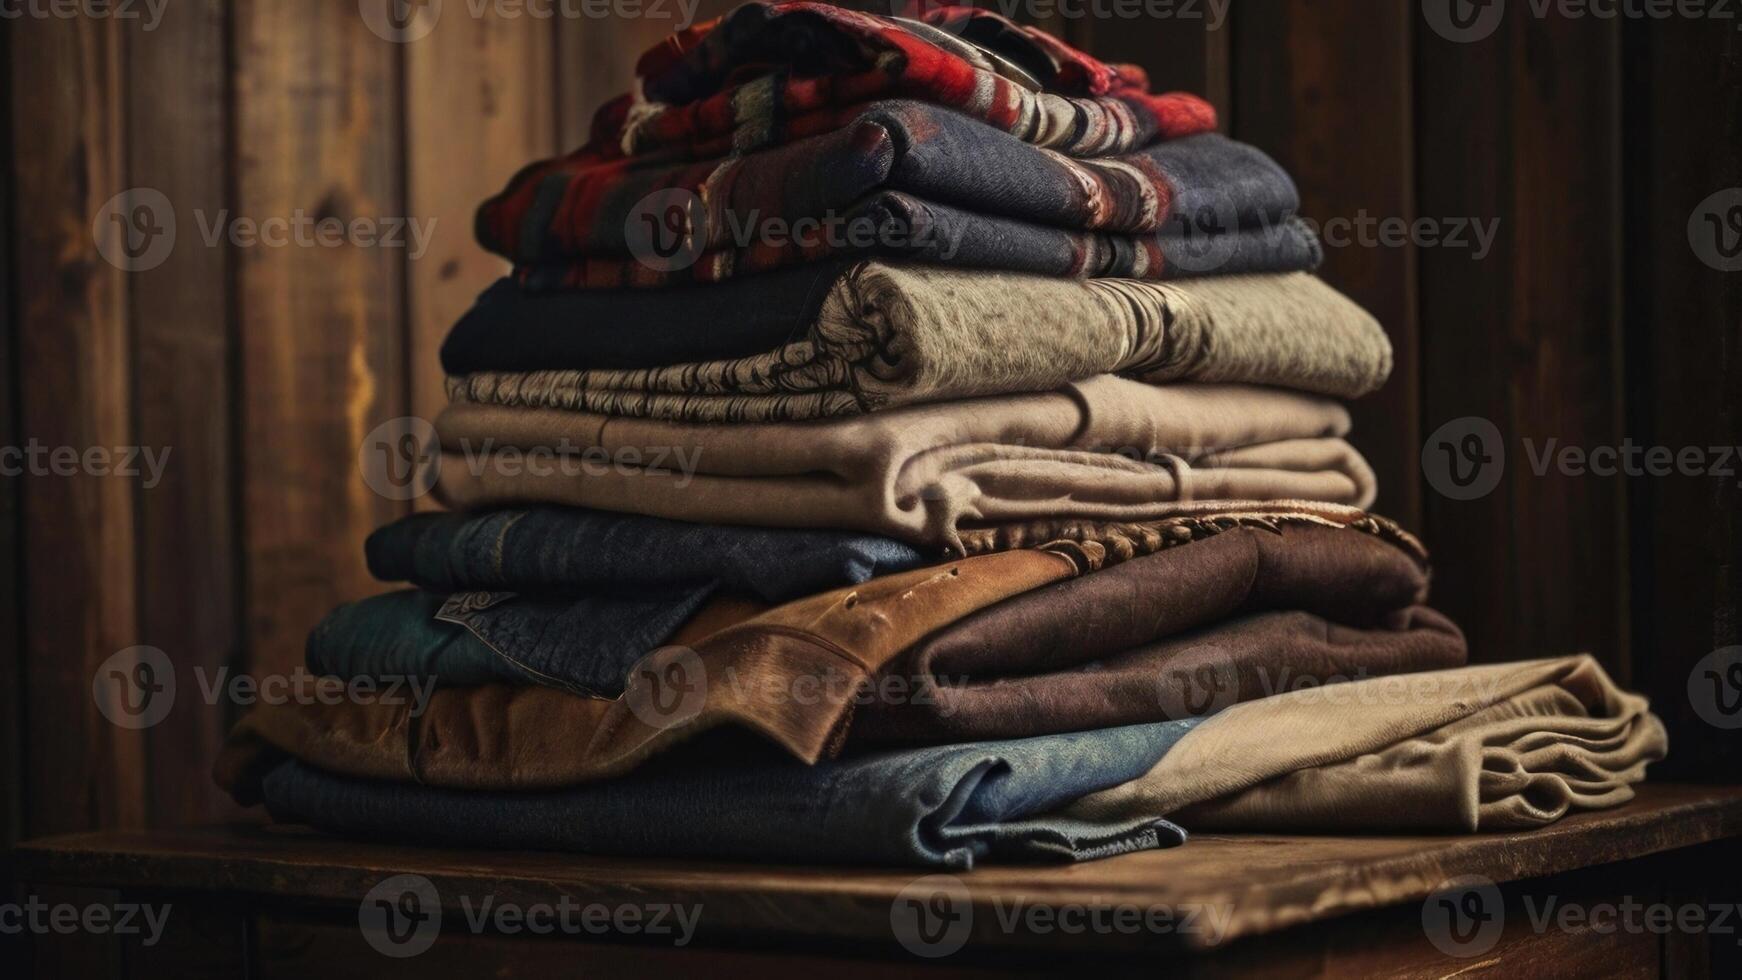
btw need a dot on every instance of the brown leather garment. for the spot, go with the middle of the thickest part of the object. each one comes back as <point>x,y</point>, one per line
<point>790,674</point>
<point>1250,612</point>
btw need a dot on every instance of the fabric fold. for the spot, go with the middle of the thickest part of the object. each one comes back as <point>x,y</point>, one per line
<point>564,549</point>
<point>901,226</point>
<point>501,737</point>
<point>1492,747</point>
<point>1102,449</point>
<point>952,806</point>
<point>888,336</point>
<point>933,154</point>
<point>1078,666</point>
<point>767,74</point>
<point>1245,614</point>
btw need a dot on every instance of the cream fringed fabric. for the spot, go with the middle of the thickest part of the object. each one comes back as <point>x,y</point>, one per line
<point>888,336</point>
<point>1105,449</point>
<point>1492,747</point>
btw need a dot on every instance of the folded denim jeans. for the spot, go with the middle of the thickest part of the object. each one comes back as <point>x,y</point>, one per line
<point>888,336</point>
<point>952,806</point>
<point>1356,619</point>
<point>1488,748</point>
<point>569,549</point>
<point>790,674</point>
<point>569,597</point>
<point>585,643</point>
<point>930,153</point>
<point>1105,449</point>
<point>1038,649</point>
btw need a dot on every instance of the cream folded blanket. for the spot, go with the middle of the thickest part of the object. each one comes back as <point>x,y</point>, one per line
<point>898,335</point>
<point>1491,747</point>
<point>1105,449</point>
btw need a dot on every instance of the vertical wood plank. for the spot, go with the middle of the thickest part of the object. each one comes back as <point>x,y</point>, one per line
<point>1684,322</point>
<point>188,583</point>
<point>1189,50</point>
<point>478,107</point>
<point>322,329</point>
<point>596,61</point>
<point>1325,88</point>
<point>11,624</point>
<point>1522,126</point>
<point>74,366</point>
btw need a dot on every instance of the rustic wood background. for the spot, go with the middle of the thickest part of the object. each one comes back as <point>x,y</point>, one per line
<point>1590,140</point>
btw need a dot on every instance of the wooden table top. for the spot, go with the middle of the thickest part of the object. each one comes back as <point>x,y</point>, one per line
<point>1260,882</point>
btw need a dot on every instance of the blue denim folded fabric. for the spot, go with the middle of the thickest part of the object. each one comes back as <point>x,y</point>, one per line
<point>734,798</point>
<point>569,549</point>
<point>567,597</point>
<point>583,643</point>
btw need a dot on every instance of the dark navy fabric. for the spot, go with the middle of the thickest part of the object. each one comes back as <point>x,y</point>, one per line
<point>567,597</point>
<point>950,806</point>
<point>532,549</point>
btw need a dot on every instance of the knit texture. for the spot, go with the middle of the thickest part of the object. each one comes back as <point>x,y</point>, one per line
<point>1102,449</point>
<point>888,336</point>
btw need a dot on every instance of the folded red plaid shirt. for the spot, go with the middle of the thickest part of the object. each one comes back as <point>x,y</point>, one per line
<point>767,73</point>
<point>770,73</point>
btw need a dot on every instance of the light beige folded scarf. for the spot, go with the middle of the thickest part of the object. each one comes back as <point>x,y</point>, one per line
<point>1490,747</point>
<point>1105,449</point>
<point>892,335</point>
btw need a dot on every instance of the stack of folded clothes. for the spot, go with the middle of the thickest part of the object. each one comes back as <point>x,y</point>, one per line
<point>1024,529</point>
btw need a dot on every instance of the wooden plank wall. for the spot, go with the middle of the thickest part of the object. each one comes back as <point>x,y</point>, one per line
<point>1588,141</point>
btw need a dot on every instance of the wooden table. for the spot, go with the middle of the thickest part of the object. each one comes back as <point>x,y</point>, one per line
<point>285,901</point>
